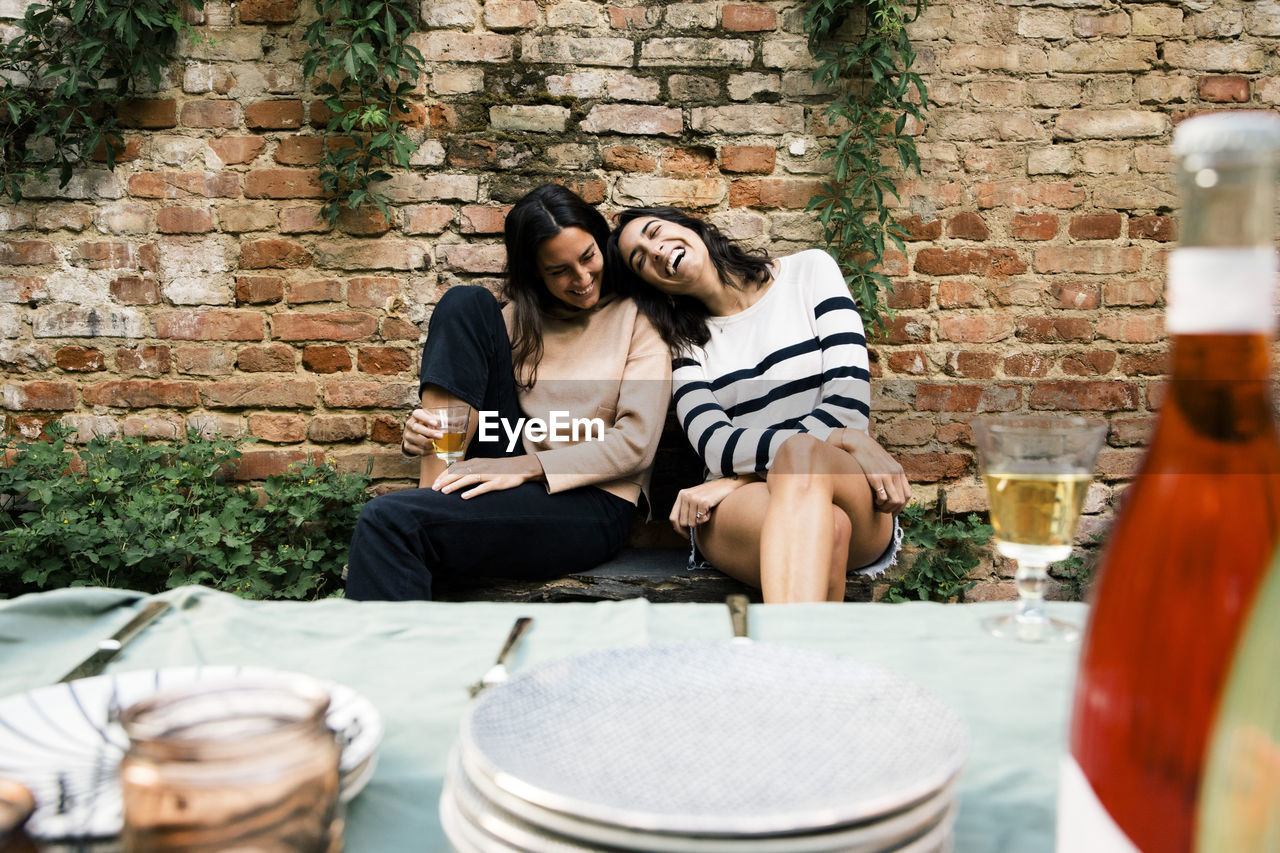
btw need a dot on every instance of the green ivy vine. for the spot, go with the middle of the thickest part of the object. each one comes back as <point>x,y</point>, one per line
<point>872,81</point>
<point>65,72</point>
<point>948,548</point>
<point>366,71</point>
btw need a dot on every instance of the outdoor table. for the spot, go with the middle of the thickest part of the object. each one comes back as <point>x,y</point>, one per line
<point>414,660</point>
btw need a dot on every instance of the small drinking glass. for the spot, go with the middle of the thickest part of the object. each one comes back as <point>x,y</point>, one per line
<point>1037,469</point>
<point>453,420</point>
<point>231,766</point>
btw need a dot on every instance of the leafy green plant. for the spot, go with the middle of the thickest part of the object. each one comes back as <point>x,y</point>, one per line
<point>151,516</point>
<point>367,72</point>
<point>873,84</point>
<point>948,546</point>
<point>64,73</point>
<point>1076,572</point>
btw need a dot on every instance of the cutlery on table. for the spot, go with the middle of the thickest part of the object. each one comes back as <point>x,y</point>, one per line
<point>110,647</point>
<point>738,605</point>
<point>497,673</point>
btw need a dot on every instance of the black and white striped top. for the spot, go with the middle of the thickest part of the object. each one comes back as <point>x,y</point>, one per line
<point>795,361</point>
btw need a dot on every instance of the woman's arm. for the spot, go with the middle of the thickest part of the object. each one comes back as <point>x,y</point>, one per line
<point>890,490</point>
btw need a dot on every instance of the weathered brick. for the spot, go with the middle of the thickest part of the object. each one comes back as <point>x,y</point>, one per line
<point>60,217</point>
<point>1111,24</point>
<point>954,397</point>
<point>1132,328</point>
<point>143,360</point>
<point>463,47</point>
<point>283,114</point>
<point>326,359</point>
<point>364,221</point>
<point>629,159</point>
<point>385,254</point>
<point>315,290</point>
<point>954,293</point>
<point>325,429</point>
<point>352,394</point>
<point>1103,57</point>
<point>148,113</point>
<point>259,394</point>
<point>142,394</point>
<point>1110,124</point>
<point>105,255</point>
<point>1204,55</point>
<point>27,252</point>
<point>913,362</point>
<point>259,289</point>
<point>202,324</point>
<point>679,192</point>
<point>744,18</point>
<point>372,291</point>
<point>967,226</point>
<point>633,119</point>
<point>747,119</point>
<point>970,364</point>
<point>1050,330</point>
<point>930,467</point>
<point>1029,365</point>
<point>1098,260</point>
<point>267,358</point>
<point>1224,89</point>
<point>1076,295</point>
<point>1152,20</point>
<point>299,151</point>
<point>985,262</point>
<point>268,11</point>
<point>1096,226</point>
<point>908,294</point>
<point>1091,363</point>
<point>38,396</point>
<point>383,360</point>
<point>793,193</point>
<point>74,359</point>
<point>1033,226</point>
<point>1160,228</point>
<point>177,184</point>
<point>748,159</point>
<point>696,52</point>
<point>915,228</point>
<point>395,329</point>
<point>304,219</point>
<point>510,14</point>
<point>241,218</point>
<point>261,464</point>
<point>185,220</point>
<point>203,361</point>
<point>987,327</point>
<point>283,183</point>
<point>331,326</point>
<point>211,114</point>
<point>690,88</point>
<point>473,257</point>
<point>278,429</point>
<point>273,254</point>
<point>965,59</point>
<point>166,427</point>
<point>543,118</point>
<point>482,219</point>
<point>577,51</point>
<point>1052,194</point>
<point>1107,396</point>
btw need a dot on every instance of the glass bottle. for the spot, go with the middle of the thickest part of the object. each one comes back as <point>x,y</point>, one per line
<point>235,766</point>
<point>1197,525</point>
<point>1239,806</point>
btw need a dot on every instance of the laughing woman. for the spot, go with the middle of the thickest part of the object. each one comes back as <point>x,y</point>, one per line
<point>565,346</point>
<point>771,385</point>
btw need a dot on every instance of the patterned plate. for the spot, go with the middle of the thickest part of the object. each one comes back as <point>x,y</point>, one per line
<point>731,740</point>
<point>527,826</point>
<point>60,742</point>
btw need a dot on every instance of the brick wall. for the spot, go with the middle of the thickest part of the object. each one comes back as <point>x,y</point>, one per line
<point>197,286</point>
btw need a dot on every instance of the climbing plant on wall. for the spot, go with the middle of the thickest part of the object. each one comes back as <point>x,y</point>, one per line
<point>64,73</point>
<point>864,57</point>
<point>367,69</point>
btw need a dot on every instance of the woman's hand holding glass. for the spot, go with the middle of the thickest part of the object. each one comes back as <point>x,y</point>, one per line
<point>420,433</point>
<point>890,489</point>
<point>693,505</point>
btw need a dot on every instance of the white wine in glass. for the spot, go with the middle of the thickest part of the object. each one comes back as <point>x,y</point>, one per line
<point>453,420</point>
<point>1037,469</point>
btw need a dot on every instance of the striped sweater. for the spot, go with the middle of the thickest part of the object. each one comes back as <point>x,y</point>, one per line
<point>795,361</point>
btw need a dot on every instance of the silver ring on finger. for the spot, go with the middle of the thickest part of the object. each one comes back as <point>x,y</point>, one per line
<point>882,493</point>
<point>700,515</point>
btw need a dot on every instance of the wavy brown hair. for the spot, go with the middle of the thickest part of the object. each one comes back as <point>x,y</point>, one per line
<point>535,219</point>
<point>682,320</point>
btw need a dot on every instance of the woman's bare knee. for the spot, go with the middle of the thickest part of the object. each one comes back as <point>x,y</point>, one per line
<point>800,454</point>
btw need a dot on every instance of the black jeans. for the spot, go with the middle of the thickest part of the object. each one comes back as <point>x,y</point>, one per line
<point>404,539</point>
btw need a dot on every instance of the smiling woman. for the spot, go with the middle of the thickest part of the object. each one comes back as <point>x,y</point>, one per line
<point>773,390</point>
<point>565,350</point>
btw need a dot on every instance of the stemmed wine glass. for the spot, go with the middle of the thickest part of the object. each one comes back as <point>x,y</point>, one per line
<point>1037,469</point>
<point>453,421</point>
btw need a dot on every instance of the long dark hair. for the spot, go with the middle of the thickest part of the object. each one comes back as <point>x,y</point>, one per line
<point>682,320</point>
<point>536,218</point>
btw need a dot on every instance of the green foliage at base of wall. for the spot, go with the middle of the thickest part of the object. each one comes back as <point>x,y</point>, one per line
<point>156,515</point>
<point>63,75</point>
<point>367,72</point>
<point>875,93</point>
<point>948,545</point>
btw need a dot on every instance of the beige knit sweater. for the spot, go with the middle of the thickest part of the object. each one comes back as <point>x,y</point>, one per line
<point>607,363</point>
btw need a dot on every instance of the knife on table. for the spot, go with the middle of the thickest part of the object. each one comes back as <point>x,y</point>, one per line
<point>111,646</point>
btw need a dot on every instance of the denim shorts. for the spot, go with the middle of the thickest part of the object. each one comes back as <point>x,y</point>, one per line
<point>877,567</point>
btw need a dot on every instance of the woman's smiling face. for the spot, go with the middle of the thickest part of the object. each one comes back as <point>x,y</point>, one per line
<point>572,266</point>
<point>668,256</point>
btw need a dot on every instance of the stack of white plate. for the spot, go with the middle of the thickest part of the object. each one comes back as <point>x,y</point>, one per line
<point>735,748</point>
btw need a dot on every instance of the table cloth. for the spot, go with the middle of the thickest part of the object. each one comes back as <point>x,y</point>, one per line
<point>414,660</point>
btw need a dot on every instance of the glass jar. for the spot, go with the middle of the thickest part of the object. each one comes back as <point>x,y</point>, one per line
<point>243,765</point>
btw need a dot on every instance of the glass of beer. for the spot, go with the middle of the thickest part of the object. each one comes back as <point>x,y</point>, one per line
<point>1037,469</point>
<point>453,421</point>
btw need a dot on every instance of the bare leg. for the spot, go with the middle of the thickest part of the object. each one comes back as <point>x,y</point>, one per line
<point>432,466</point>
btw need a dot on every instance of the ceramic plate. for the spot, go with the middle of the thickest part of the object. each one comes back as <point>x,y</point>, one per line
<point>529,827</point>
<point>60,742</point>
<point>732,740</point>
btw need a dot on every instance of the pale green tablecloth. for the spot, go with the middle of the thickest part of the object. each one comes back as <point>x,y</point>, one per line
<point>413,660</point>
